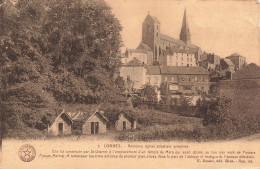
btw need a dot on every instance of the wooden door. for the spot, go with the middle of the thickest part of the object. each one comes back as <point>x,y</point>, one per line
<point>60,128</point>
<point>92,127</point>
<point>124,125</point>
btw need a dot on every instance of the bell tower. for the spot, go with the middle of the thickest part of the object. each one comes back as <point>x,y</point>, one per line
<point>185,31</point>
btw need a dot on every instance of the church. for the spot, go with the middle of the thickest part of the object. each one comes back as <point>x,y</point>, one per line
<point>165,50</point>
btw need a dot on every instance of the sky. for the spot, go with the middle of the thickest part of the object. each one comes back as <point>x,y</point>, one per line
<point>219,27</point>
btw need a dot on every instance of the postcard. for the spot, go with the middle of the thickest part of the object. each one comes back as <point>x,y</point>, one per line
<point>99,84</point>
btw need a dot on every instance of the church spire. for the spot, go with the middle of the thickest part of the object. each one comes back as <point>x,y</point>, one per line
<point>185,31</point>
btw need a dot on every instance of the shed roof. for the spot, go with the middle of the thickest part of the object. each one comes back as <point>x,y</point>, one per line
<point>83,113</point>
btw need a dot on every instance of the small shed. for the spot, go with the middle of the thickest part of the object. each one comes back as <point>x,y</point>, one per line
<point>61,125</point>
<point>125,123</point>
<point>89,120</point>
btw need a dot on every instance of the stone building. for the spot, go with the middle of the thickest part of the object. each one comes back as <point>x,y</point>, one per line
<point>178,57</point>
<point>180,78</point>
<point>227,68</point>
<point>144,56</point>
<point>61,125</point>
<point>209,61</point>
<point>238,60</point>
<point>152,37</point>
<point>125,123</point>
<point>87,120</point>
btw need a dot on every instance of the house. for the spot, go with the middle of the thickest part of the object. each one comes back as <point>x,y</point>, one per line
<point>209,61</point>
<point>125,123</point>
<point>178,56</point>
<point>86,120</point>
<point>227,68</point>
<point>61,125</point>
<point>142,53</point>
<point>238,60</point>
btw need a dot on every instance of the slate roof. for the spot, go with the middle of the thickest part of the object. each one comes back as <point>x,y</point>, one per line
<point>153,70</point>
<point>181,70</point>
<point>228,62</point>
<point>83,113</point>
<point>153,18</point>
<point>173,40</point>
<point>175,70</point>
<point>134,62</point>
<point>251,71</point>
<point>144,47</point>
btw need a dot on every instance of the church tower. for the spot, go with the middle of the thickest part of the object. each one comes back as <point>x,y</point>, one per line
<point>185,31</point>
<point>151,35</point>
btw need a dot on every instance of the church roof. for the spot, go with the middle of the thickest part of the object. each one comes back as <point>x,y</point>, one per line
<point>144,46</point>
<point>185,31</point>
<point>173,40</point>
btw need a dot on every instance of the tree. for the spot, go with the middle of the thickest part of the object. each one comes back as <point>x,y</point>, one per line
<point>148,92</point>
<point>54,53</point>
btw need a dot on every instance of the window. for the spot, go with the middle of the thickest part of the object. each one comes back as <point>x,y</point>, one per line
<point>148,79</point>
<point>182,64</point>
<point>196,79</point>
<point>176,63</point>
<point>189,79</point>
<point>157,34</point>
<point>191,59</point>
<point>187,59</point>
<point>173,78</point>
<point>181,58</point>
<point>128,78</point>
<point>202,79</point>
<point>155,81</point>
<point>187,54</point>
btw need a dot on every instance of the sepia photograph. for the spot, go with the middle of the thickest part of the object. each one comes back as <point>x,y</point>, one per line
<point>135,84</point>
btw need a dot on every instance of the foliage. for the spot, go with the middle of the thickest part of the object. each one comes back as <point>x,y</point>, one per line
<point>148,93</point>
<point>52,53</point>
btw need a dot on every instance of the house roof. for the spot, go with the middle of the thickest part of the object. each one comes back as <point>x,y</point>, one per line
<point>228,61</point>
<point>134,62</point>
<point>183,70</point>
<point>127,117</point>
<point>153,70</point>
<point>251,71</point>
<point>82,114</point>
<point>144,47</point>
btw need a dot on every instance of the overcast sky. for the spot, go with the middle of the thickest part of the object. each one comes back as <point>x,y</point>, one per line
<point>217,27</point>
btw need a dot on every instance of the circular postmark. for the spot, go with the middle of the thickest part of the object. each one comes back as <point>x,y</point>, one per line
<point>27,153</point>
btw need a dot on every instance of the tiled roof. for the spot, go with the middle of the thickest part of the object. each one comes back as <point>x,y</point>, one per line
<point>144,46</point>
<point>251,71</point>
<point>183,70</point>
<point>153,70</point>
